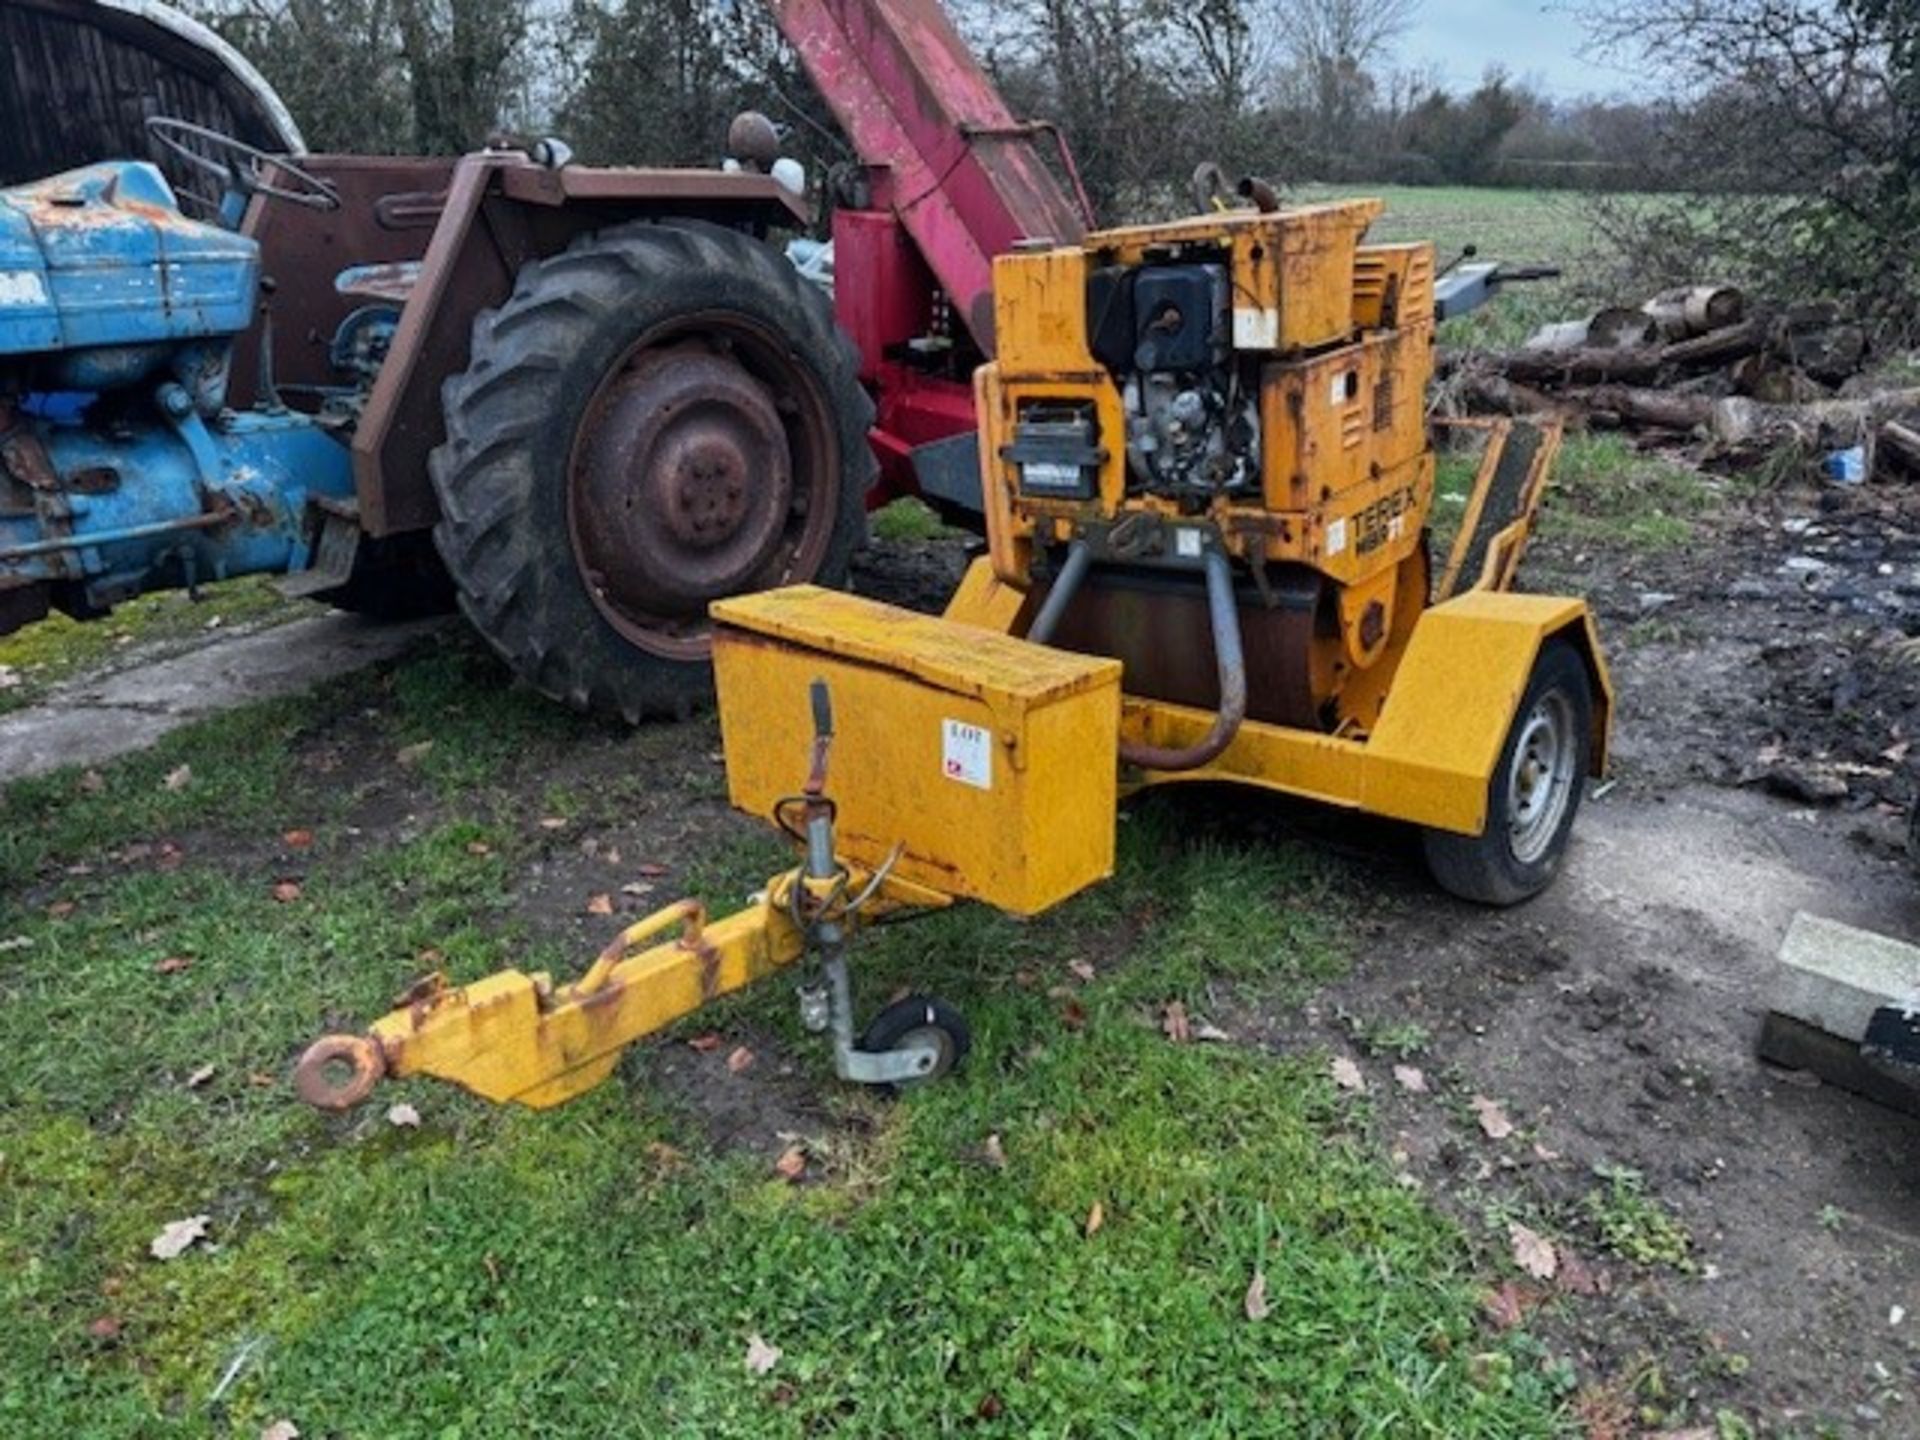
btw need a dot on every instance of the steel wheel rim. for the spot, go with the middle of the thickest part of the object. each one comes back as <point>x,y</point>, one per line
<point>764,360</point>
<point>936,1038</point>
<point>1541,777</point>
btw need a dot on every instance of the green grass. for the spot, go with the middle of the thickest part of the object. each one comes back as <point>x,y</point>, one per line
<point>907,520</point>
<point>1603,489</point>
<point>499,1272</point>
<point>41,655</point>
<point>1540,227</point>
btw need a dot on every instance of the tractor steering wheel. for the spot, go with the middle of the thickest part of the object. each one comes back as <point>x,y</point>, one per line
<point>238,165</point>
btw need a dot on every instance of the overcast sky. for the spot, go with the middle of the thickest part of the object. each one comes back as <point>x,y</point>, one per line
<point>1537,40</point>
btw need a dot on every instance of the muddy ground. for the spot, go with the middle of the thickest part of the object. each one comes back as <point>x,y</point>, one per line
<point>1766,705</point>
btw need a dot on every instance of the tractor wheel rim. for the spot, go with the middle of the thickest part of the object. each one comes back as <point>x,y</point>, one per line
<point>705,464</point>
<point>1541,778</point>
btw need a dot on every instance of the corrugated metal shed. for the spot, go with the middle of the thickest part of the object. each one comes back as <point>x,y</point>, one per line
<point>78,79</point>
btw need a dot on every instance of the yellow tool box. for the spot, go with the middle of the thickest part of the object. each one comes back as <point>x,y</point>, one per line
<point>990,761</point>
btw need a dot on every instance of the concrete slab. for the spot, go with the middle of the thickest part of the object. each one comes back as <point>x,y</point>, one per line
<point>98,718</point>
<point>1830,980</point>
<point>1834,976</point>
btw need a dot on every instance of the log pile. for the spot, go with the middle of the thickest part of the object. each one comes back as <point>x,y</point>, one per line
<point>1703,362</point>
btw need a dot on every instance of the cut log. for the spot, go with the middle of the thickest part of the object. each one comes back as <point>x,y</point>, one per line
<point>1484,392</point>
<point>1695,309</point>
<point>1717,347</point>
<point>1606,329</point>
<point>1635,405</point>
<point>1902,442</point>
<point>1825,425</point>
<point>1587,365</point>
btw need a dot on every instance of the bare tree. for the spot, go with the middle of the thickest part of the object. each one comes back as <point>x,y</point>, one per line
<point>1334,45</point>
<point>1794,126</point>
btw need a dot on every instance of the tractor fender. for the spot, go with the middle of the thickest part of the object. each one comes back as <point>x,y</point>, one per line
<point>1454,697</point>
<point>501,211</point>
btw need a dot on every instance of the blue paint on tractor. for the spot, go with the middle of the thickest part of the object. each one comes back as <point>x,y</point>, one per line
<point>121,470</point>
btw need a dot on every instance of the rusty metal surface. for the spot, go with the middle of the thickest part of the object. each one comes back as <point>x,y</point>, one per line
<point>302,250</point>
<point>966,179</point>
<point>1157,626</point>
<point>501,211</point>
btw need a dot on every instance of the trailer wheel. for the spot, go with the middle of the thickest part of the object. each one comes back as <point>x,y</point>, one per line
<point>917,1020</point>
<point>1534,794</point>
<point>659,416</point>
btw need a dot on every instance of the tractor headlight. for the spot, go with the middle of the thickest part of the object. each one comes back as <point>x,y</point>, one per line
<point>1055,452</point>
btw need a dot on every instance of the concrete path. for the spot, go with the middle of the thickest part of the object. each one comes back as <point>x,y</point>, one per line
<point>96,718</point>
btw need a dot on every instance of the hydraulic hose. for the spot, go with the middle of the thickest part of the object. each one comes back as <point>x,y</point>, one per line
<point>1232,664</point>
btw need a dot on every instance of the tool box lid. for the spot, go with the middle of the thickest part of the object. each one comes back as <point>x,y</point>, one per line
<point>961,659</point>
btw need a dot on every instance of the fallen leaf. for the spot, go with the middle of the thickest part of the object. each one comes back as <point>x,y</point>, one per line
<point>792,1163</point>
<point>1411,1077</point>
<point>1543,1154</point>
<point>553,822</point>
<point>172,965</point>
<point>281,1430</point>
<point>1347,1075</point>
<point>995,1155</point>
<point>1577,1277</point>
<point>261,1080</point>
<point>177,1235</point>
<point>1082,971</point>
<point>286,891</point>
<point>61,909</point>
<point>1073,1015</point>
<point>1508,1306</point>
<point>1532,1251</point>
<point>16,942</point>
<point>636,887</point>
<point>297,839</point>
<point>1173,1023</point>
<point>601,904</point>
<point>404,1114</point>
<point>107,1327</point>
<point>1255,1302</point>
<point>739,1059</point>
<point>479,847</point>
<point>178,779</point>
<point>200,1077</point>
<point>1096,1217</point>
<point>705,1044</point>
<point>664,1155</point>
<point>1493,1117</point>
<point>409,756</point>
<point>1210,1033</point>
<point>761,1357</point>
<point>991,1407</point>
<point>92,783</point>
<point>650,870</point>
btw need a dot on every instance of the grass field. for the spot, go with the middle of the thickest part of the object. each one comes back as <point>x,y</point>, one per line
<point>601,1269</point>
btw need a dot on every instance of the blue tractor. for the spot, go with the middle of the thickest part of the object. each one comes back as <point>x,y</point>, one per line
<point>584,402</point>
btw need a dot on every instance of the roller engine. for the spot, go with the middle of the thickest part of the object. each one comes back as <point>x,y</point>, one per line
<point>1241,391</point>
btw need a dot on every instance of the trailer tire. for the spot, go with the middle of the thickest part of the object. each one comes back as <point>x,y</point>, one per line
<point>916,1020</point>
<point>662,414</point>
<point>1534,794</point>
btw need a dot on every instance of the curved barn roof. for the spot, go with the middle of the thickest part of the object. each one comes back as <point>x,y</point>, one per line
<point>78,79</point>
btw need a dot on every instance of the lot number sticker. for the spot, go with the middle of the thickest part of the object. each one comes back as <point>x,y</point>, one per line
<point>966,754</point>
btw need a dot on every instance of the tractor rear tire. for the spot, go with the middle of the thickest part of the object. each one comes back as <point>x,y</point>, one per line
<point>661,415</point>
<point>1534,794</point>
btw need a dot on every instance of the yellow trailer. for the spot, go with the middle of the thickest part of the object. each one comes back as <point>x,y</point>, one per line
<point>1207,472</point>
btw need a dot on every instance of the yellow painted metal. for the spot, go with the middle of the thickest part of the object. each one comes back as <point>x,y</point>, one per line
<point>515,1036</point>
<point>1501,556</point>
<point>1431,757</point>
<point>992,760</point>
